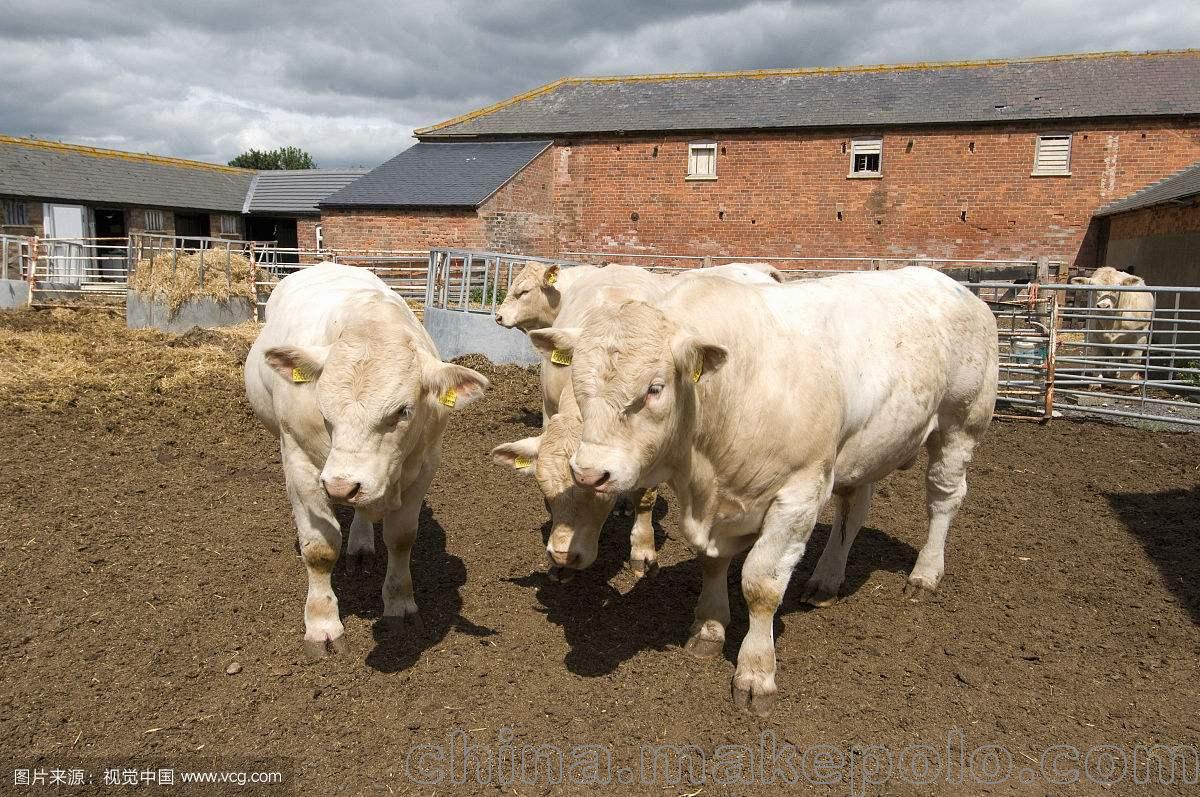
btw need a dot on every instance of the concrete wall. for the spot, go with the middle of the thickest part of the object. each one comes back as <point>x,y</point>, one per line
<point>13,294</point>
<point>456,333</point>
<point>143,312</point>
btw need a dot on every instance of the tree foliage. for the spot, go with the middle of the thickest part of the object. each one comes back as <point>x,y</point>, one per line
<point>281,158</point>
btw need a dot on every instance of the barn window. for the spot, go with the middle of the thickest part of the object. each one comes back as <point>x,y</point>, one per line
<point>702,160</point>
<point>319,234</point>
<point>227,224</point>
<point>866,157</point>
<point>154,221</point>
<point>1053,155</point>
<point>15,213</point>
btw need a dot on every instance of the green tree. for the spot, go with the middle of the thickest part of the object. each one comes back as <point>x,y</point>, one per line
<point>281,158</point>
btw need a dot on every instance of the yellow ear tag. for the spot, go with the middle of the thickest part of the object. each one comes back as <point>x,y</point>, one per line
<point>300,375</point>
<point>449,397</point>
<point>696,374</point>
<point>552,278</point>
<point>560,357</point>
<point>522,462</point>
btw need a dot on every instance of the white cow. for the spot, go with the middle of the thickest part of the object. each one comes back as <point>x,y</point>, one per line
<point>756,404</point>
<point>349,380</point>
<point>1124,331</point>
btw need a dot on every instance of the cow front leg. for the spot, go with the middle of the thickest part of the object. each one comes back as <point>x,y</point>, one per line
<point>643,558</point>
<point>360,547</point>
<point>320,540</point>
<point>849,514</point>
<point>765,575</point>
<point>399,534</point>
<point>707,637</point>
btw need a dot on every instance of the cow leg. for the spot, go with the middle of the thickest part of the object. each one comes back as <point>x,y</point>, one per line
<point>320,539</point>
<point>785,532</point>
<point>360,548</point>
<point>849,514</point>
<point>712,610</point>
<point>643,559</point>
<point>399,533</point>
<point>945,488</point>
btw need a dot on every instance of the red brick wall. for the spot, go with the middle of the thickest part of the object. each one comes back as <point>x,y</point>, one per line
<point>520,216</point>
<point>306,231</point>
<point>401,229</point>
<point>778,193</point>
<point>1158,220</point>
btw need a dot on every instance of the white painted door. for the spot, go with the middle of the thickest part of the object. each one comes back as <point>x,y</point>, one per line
<point>67,226</point>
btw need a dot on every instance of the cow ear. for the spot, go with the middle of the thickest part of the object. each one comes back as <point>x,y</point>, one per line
<point>700,358</point>
<point>550,276</point>
<point>1131,280</point>
<point>553,341</point>
<point>297,363</point>
<point>1081,280</point>
<point>520,455</point>
<point>455,386</point>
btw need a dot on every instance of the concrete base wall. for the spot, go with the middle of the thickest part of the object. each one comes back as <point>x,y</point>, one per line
<point>13,294</point>
<point>142,312</point>
<point>456,333</point>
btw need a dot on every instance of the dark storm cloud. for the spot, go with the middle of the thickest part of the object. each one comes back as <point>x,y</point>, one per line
<point>349,81</point>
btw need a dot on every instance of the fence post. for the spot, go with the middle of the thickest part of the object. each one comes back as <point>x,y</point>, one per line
<point>1043,269</point>
<point>1051,356</point>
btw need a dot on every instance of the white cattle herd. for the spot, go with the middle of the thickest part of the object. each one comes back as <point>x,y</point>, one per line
<point>755,401</point>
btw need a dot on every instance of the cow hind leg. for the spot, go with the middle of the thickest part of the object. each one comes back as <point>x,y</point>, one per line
<point>707,637</point>
<point>849,514</point>
<point>945,487</point>
<point>399,534</point>
<point>360,547</point>
<point>643,558</point>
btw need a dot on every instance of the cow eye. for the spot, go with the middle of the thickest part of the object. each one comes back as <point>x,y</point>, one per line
<point>654,389</point>
<point>403,413</point>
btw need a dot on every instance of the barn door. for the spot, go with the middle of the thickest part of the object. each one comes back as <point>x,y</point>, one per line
<point>66,226</point>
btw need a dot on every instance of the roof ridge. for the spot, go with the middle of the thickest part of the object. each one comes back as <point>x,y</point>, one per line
<point>799,72</point>
<point>99,152</point>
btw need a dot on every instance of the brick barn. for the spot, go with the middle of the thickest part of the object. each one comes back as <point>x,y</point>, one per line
<point>989,159</point>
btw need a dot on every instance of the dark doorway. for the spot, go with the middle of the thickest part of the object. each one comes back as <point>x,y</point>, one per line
<point>192,225</point>
<point>280,230</point>
<point>110,264</point>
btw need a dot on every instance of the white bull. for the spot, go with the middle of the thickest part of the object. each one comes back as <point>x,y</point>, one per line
<point>1123,333</point>
<point>348,379</point>
<point>756,404</point>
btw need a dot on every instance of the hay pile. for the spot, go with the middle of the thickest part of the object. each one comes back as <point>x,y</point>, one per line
<point>174,277</point>
<point>63,358</point>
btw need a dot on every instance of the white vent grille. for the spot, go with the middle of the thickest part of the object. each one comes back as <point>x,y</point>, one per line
<point>1053,155</point>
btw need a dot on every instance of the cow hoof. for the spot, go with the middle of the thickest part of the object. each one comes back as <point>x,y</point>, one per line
<point>917,590</point>
<point>643,568</point>
<point>819,595</point>
<point>561,575</point>
<point>703,648</point>
<point>401,624</point>
<point>359,563</point>
<point>317,649</point>
<point>753,698</point>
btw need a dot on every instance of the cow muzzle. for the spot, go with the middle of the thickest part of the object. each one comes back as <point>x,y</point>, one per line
<point>342,490</point>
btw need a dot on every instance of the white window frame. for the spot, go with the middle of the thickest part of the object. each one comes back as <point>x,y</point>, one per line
<point>227,224</point>
<point>1039,170</point>
<point>866,145</point>
<point>319,235</point>
<point>694,147</point>
<point>150,216</point>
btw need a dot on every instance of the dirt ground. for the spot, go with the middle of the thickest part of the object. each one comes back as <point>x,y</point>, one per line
<point>153,602</point>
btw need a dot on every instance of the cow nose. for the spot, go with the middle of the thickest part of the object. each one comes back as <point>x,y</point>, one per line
<point>590,477</point>
<point>341,489</point>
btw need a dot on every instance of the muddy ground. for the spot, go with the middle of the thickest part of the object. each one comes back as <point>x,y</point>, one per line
<point>153,602</point>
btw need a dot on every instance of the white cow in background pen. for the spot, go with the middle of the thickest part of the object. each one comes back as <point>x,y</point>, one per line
<point>353,386</point>
<point>1122,334</point>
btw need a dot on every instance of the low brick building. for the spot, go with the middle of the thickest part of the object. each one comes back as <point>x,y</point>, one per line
<point>281,205</point>
<point>1155,232</point>
<point>990,159</point>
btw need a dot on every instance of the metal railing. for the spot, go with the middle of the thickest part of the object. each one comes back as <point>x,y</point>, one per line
<point>16,257</point>
<point>403,271</point>
<point>475,281</point>
<point>68,269</point>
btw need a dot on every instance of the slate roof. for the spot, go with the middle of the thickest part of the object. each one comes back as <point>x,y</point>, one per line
<point>1181,185</point>
<point>293,192</point>
<point>1093,85</point>
<point>50,170</point>
<point>460,174</point>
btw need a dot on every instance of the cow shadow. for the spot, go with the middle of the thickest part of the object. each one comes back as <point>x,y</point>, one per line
<point>437,581</point>
<point>1165,524</point>
<point>605,627</point>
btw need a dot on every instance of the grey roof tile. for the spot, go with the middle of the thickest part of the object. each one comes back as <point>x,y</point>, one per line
<point>49,170</point>
<point>1181,185</point>
<point>1062,87</point>
<point>296,191</point>
<point>460,174</point>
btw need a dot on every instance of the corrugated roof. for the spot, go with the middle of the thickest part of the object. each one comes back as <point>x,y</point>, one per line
<point>296,191</point>
<point>460,174</point>
<point>1093,85</point>
<point>1181,185</point>
<point>50,170</point>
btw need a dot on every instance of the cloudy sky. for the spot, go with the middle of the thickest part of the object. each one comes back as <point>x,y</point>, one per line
<point>349,81</point>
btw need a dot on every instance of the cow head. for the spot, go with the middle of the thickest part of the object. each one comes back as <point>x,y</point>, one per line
<point>378,391</point>
<point>634,376</point>
<point>532,300</point>
<point>1107,276</point>
<point>577,514</point>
